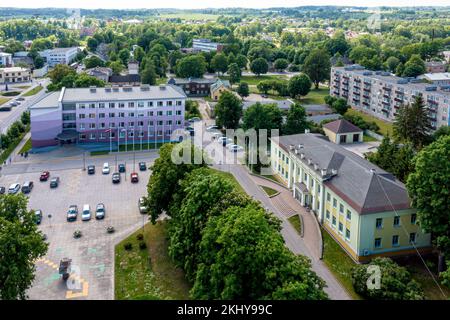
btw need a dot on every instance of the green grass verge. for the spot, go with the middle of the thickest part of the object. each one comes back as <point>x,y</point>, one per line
<point>4,100</point>
<point>385,127</point>
<point>315,96</point>
<point>296,223</point>
<point>367,138</point>
<point>254,80</point>
<point>7,152</point>
<point>10,93</point>
<point>229,176</point>
<point>33,91</point>
<point>26,147</point>
<point>161,81</point>
<point>339,263</point>
<point>99,153</point>
<point>148,274</point>
<point>269,191</point>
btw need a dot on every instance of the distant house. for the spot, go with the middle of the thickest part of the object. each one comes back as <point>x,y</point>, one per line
<point>14,75</point>
<point>441,78</point>
<point>435,66</point>
<point>101,73</point>
<point>219,87</point>
<point>194,87</point>
<point>343,131</point>
<point>206,45</point>
<point>59,55</point>
<point>128,79</point>
<point>6,60</point>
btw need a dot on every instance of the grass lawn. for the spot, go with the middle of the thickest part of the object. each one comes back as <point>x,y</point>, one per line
<point>296,223</point>
<point>26,147</point>
<point>385,127</point>
<point>269,191</point>
<point>3,100</point>
<point>148,274</point>
<point>33,91</point>
<point>339,263</point>
<point>230,178</point>
<point>23,87</point>
<point>161,81</point>
<point>254,80</point>
<point>367,138</point>
<point>315,96</point>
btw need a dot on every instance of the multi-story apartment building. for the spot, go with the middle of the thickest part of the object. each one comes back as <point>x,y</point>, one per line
<point>206,45</point>
<point>14,75</point>
<point>381,94</point>
<point>59,55</point>
<point>364,208</point>
<point>108,115</point>
<point>6,60</point>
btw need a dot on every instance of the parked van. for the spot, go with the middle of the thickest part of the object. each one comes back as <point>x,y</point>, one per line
<point>27,186</point>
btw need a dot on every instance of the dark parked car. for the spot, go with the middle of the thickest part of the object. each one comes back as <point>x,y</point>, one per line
<point>38,216</point>
<point>2,190</point>
<point>116,177</point>
<point>91,169</point>
<point>44,176</point>
<point>27,187</point>
<point>54,182</point>
<point>142,166</point>
<point>72,213</point>
<point>122,167</point>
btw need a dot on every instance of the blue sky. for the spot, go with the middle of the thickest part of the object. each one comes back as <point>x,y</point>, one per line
<point>183,4</point>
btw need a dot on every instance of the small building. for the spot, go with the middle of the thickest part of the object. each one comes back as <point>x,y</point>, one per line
<point>219,87</point>
<point>206,45</point>
<point>6,60</point>
<point>194,87</point>
<point>14,75</point>
<point>133,67</point>
<point>101,73</point>
<point>128,79</point>
<point>39,73</point>
<point>435,66</point>
<point>59,55</point>
<point>440,79</point>
<point>342,131</point>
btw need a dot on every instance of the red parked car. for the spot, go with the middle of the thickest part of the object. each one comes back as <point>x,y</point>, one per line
<point>44,176</point>
<point>134,177</point>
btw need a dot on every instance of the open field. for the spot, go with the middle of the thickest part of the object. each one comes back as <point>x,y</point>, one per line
<point>148,273</point>
<point>254,80</point>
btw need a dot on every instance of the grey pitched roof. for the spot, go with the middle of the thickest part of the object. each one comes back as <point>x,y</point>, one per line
<point>179,81</point>
<point>219,83</point>
<point>125,78</point>
<point>364,186</point>
<point>342,126</point>
<point>320,117</point>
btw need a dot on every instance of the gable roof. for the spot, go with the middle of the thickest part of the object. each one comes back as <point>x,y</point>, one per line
<point>342,126</point>
<point>364,186</point>
<point>220,83</point>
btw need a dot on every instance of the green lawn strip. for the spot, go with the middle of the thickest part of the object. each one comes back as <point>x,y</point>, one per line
<point>4,100</point>
<point>99,153</point>
<point>229,176</point>
<point>367,138</point>
<point>254,80</point>
<point>148,274</point>
<point>385,127</point>
<point>296,223</point>
<point>33,91</point>
<point>315,96</point>
<point>161,81</point>
<point>339,263</point>
<point>26,147</point>
<point>269,191</point>
<point>7,152</point>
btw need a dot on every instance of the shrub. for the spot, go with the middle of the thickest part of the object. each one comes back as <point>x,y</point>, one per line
<point>142,245</point>
<point>140,236</point>
<point>128,246</point>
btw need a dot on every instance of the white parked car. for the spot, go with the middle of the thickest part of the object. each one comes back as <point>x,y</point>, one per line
<point>212,128</point>
<point>234,147</point>
<point>14,188</point>
<point>105,169</point>
<point>86,213</point>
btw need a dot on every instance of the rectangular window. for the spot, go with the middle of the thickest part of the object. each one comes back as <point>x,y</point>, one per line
<point>150,113</point>
<point>92,106</point>
<point>92,136</point>
<point>160,104</point>
<point>91,125</point>
<point>169,103</point>
<point>413,218</point>
<point>102,135</point>
<point>82,106</point>
<point>150,104</point>
<point>379,223</point>
<point>328,215</point>
<point>160,113</point>
<point>412,237</point>
<point>131,124</point>
<point>341,227</point>
<point>112,125</point>
<point>131,114</point>
<point>91,115</point>
<point>121,115</point>
<point>112,114</point>
<point>341,208</point>
<point>81,116</point>
<point>130,104</point>
<point>377,243</point>
<point>334,221</point>
<point>102,125</point>
<point>140,104</point>
<point>334,202</point>
<point>328,197</point>
<point>169,113</point>
<point>396,221</point>
<point>395,240</point>
<point>178,103</point>
<point>111,105</point>
<point>349,215</point>
<point>101,115</point>
<point>347,234</point>
<point>101,105</point>
<point>121,105</point>
<point>178,112</point>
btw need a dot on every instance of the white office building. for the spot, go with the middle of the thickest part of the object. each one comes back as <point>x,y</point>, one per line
<point>6,60</point>
<point>59,55</point>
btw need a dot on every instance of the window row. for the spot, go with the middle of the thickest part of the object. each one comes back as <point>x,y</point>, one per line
<point>123,114</point>
<point>396,223</point>
<point>348,213</point>
<point>129,124</point>
<point>131,134</point>
<point>139,104</point>
<point>395,242</point>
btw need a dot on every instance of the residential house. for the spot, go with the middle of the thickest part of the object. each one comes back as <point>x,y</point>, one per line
<point>193,87</point>
<point>101,73</point>
<point>343,131</point>
<point>219,87</point>
<point>14,75</point>
<point>435,66</point>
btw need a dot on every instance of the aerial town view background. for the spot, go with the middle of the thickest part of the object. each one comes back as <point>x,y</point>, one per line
<point>285,153</point>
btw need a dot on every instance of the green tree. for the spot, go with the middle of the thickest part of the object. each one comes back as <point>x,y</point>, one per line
<point>84,80</point>
<point>59,72</point>
<point>165,176</point>
<point>295,120</point>
<point>243,89</point>
<point>148,75</point>
<point>396,282</point>
<point>428,188</point>
<point>299,85</point>
<point>138,54</point>
<point>92,44</point>
<point>241,61</point>
<point>124,56</point>
<point>340,106</point>
<point>411,123</point>
<point>281,64</point>
<point>219,63</point>
<point>93,62</point>
<point>38,62</point>
<point>117,67</point>
<point>259,66</point>
<point>317,66</point>
<point>262,116</point>
<point>25,118</point>
<point>264,86</point>
<point>392,64</point>
<point>414,67</point>
<point>228,111</point>
<point>21,243</point>
<point>234,72</point>
<point>191,66</point>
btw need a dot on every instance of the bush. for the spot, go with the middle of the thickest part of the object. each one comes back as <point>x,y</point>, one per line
<point>142,245</point>
<point>140,236</point>
<point>396,282</point>
<point>358,121</point>
<point>10,93</point>
<point>128,246</point>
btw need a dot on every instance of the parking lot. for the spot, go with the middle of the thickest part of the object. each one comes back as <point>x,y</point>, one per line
<point>93,254</point>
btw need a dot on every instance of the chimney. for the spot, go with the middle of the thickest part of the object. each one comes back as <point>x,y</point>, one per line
<point>307,131</point>
<point>323,172</point>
